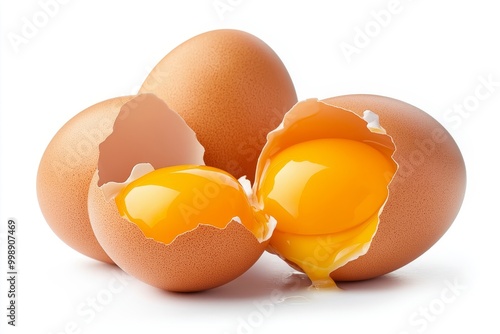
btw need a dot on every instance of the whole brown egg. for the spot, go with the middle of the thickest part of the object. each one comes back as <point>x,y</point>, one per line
<point>231,88</point>
<point>65,171</point>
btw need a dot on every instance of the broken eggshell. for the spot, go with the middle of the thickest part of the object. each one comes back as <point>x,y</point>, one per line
<point>147,135</point>
<point>147,131</point>
<point>313,232</point>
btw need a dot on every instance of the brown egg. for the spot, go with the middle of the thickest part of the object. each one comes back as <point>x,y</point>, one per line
<point>231,88</point>
<point>425,194</point>
<point>65,171</point>
<point>191,227</point>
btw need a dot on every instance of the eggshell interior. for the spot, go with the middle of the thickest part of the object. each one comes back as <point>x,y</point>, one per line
<point>312,119</point>
<point>147,131</point>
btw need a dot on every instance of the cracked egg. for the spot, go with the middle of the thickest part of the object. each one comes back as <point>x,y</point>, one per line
<point>353,200</point>
<point>161,214</point>
<point>324,175</point>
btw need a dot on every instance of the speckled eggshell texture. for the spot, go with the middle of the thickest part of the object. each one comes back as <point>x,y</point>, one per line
<point>65,171</point>
<point>425,195</point>
<point>204,258</point>
<point>231,88</point>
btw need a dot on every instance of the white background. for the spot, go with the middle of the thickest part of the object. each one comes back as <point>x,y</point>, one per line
<point>431,54</point>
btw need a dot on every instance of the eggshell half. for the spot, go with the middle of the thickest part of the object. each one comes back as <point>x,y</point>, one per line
<point>148,133</point>
<point>201,259</point>
<point>425,195</point>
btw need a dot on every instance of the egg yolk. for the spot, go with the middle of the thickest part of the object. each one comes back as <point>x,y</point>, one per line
<point>173,200</point>
<point>326,195</point>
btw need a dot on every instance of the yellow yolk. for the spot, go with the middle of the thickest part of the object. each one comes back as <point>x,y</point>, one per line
<point>326,195</point>
<point>173,200</point>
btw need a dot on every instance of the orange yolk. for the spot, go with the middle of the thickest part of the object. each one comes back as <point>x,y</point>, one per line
<point>326,195</point>
<point>173,200</point>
